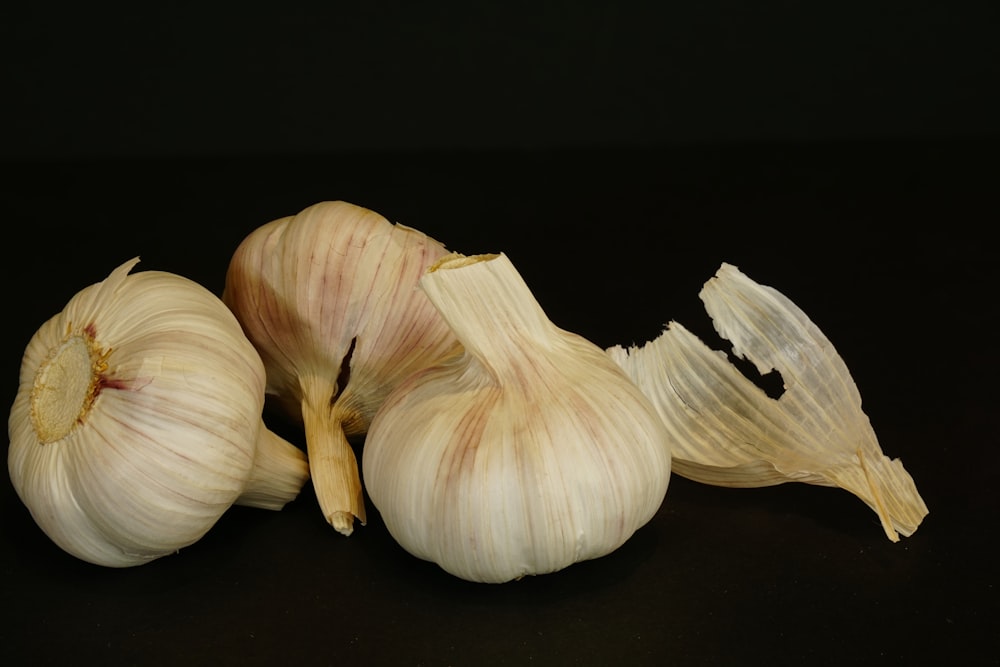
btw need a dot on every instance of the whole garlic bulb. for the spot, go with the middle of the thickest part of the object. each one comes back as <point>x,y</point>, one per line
<point>529,452</point>
<point>329,298</point>
<point>137,421</point>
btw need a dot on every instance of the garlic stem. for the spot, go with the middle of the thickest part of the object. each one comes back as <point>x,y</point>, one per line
<point>280,469</point>
<point>334,467</point>
<point>492,324</point>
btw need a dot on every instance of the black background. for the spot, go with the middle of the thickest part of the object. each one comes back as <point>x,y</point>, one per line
<point>315,77</point>
<point>844,154</point>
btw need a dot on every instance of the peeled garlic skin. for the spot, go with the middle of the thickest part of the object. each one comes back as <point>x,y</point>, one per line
<point>730,433</point>
<point>498,466</point>
<point>168,442</point>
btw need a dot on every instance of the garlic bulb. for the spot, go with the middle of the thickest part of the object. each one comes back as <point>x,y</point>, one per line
<point>729,432</point>
<point>137,421</point>
<point>329,298</point>
<point>528,452</point>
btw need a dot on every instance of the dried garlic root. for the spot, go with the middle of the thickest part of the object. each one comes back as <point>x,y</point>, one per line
<point>728,432</point>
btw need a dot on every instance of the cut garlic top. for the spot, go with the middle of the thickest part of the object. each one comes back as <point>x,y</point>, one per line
<point>137,421</point>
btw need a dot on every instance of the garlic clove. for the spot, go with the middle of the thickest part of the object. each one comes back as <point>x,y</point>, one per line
<point>137,421</point>
<point>728,432</point>
<point>329,298</point>
<point>528,452</point>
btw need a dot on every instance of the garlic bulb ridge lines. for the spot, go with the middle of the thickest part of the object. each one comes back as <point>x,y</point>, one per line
<point>250,305</point>
<point>149,491</point>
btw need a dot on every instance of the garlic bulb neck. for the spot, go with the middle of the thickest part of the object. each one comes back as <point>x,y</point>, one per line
<point>334,467</point>
<point>279,471</point>
<point>490,323</point>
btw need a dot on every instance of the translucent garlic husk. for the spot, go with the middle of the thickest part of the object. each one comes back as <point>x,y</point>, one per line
<point>729,432</point>
<point>137,421</point>
<point>529,452</point>
<point>329,298</point>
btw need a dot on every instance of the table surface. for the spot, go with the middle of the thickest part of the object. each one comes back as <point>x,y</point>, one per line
<point>885,245</point>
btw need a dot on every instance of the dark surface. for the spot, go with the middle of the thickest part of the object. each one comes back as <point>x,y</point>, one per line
<point>887,246</point>
<point>84,79</point>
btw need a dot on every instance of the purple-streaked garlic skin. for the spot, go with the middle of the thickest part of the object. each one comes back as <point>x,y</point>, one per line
<point>329,298</point>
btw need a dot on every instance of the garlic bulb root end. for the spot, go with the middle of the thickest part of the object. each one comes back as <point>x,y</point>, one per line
<point>66,385</point>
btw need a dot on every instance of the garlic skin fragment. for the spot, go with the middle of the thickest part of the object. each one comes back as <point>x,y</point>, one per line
<point>729,432</point>
<point>329,298</point>
<point>137,421</point>
<point>529,452</point>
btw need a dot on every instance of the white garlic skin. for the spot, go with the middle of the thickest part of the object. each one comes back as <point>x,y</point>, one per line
<point>166,441</point>
<point>481,481</point>
<point>523,467</point>
<point>729,432</point>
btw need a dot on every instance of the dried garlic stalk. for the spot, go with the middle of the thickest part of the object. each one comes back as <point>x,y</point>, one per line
<point>729,432</point>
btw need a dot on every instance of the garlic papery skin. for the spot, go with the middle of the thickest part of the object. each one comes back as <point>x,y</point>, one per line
<point>729,432</point>
<point>329,298</point>
<point>527,453</point>
<point>137,421</point>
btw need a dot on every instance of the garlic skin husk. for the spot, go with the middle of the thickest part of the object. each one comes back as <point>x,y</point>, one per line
<point>329,298</point>
<point>527,453</point>
<point>729,432</point>
<point>137,422</point>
